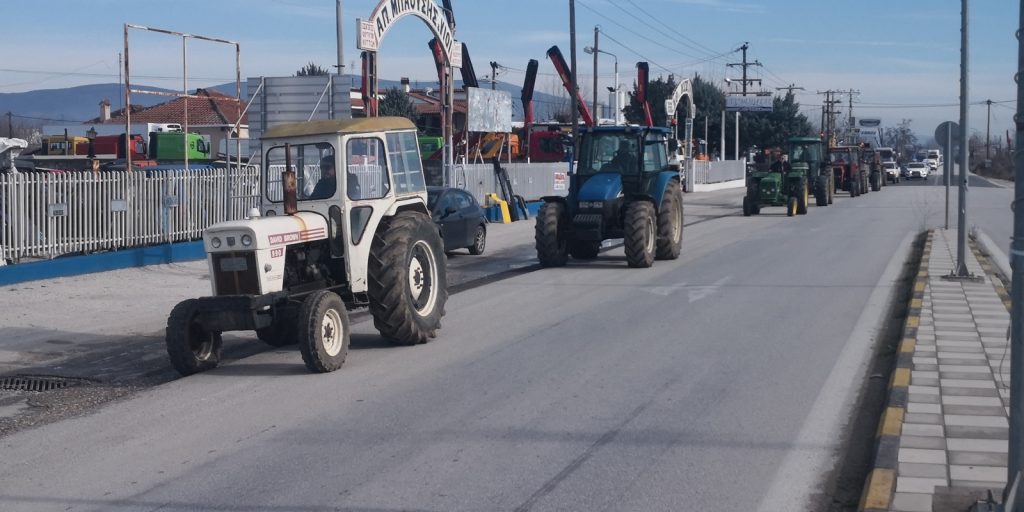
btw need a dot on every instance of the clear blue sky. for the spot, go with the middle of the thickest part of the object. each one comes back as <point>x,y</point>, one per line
<point>901,55</point>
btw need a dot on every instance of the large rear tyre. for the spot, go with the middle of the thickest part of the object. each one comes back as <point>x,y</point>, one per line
<point>670,223</point>
<point>552,249</point>
<point>584,249</point>
<point>640,236</point>
<point>831,188</point>
<point>192,348</point>
<point>407,279</point>
<point>748,209</point>
<point>323,332</point>
<point>821,194</point>
<point>876,182</point>
<point>854,188</point>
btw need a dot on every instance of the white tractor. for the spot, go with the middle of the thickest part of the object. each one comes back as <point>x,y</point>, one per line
<point>324,243</point>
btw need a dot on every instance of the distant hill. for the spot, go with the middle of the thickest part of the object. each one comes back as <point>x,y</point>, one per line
<point>75,104</point>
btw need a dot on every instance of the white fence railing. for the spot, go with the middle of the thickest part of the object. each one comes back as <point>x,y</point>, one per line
<point>705,173</point>
<point>45,215</point>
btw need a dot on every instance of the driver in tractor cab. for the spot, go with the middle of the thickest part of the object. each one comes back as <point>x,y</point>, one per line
<point>780,164</point>
<point>624,159</point>
<point>328,179</point>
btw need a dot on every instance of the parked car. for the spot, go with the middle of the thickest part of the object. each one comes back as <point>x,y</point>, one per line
<point>917,170</point>
<point>459,217</point>
<point>892,172</point>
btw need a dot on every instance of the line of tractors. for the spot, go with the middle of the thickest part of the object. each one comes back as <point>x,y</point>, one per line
<point>809,171</point>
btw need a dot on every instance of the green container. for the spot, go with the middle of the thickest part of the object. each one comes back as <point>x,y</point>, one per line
<point>170,146</point>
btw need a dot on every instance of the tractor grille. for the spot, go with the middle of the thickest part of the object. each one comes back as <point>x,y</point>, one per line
<point>235,273</point>
<point>587,219</point>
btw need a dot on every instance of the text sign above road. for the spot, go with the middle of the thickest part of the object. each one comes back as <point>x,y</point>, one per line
<point>944,131</point>
<point>748,103</point>
<point>390,11</point>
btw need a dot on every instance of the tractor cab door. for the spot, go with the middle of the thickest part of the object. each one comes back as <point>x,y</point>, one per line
<point>367,193</point>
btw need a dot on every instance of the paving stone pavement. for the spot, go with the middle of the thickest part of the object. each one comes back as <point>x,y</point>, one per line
<point>956,425</point>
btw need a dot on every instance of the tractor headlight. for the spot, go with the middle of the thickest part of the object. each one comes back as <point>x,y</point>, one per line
<point>246,240</point>
<point>215,242</point>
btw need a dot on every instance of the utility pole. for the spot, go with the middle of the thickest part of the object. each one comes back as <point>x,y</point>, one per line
<point>789,88</point>
<point>1016,443</point>
<point>743,85</point>
<point>988,130</point>
<point>10,125</point>
<point>828,114</point>
<point>961,242</point>
<point>341,46</point>
<point>575,87</point>
<point>597,30</point>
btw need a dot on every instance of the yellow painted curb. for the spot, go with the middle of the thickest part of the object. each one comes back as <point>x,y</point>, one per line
<point>916,303</point>
<point>919,286</point>
<point>892,422</point>
<point>913,321</point>
<point>908,345</point>
<point>878,490</point>
<point>901,377</point>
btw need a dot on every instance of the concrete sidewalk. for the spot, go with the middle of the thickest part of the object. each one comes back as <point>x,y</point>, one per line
<point>947,422</point>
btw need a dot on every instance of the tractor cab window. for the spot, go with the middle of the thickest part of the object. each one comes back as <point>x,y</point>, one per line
<point>367,171</point>
<point>313,165</point>
<point>655,158</point>
<point>406,164</point>
<point>805,153</point>
<point>609,152</point>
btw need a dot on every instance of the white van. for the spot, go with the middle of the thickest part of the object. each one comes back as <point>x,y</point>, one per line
<point>933,159</point>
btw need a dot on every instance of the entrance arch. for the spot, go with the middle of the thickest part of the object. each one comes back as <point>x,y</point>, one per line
<point>440,22</point>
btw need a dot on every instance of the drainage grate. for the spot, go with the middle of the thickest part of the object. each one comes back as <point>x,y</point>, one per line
<point>35,383</point>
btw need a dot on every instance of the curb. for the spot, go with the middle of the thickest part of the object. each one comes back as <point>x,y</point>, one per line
<point>992,268</point>
<point>880,485</point>
<point>102,262</point>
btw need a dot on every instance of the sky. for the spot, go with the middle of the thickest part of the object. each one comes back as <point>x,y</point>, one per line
<point>903,56</point>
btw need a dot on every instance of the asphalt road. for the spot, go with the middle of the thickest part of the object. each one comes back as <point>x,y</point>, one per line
<point>720,381</point>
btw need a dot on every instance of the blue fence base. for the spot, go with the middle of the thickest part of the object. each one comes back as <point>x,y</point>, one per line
<point>90,263</point>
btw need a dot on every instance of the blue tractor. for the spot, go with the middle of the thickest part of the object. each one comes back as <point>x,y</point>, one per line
<point>622,188</point>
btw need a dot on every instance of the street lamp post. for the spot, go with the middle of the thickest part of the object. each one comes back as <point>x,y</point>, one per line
<point>618,110</point>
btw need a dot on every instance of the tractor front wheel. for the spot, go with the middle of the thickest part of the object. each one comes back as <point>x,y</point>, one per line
<point>748,209</point>
<point>791,206</point>
<point>802,199</point>
<point>191,347</point>
<point>640,237</point>
<point>552,249</point>
<point>407,279</point>
<point>323,332</point>
<point>670,223</point>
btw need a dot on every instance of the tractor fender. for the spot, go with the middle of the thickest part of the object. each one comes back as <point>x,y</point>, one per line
<point>660,185</point>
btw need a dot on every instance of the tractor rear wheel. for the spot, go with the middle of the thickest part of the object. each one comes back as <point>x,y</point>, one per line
<point>192,348</point>
<point>552,249</point>
<point>584,249</point>
<point>640,236</point>
<point>831,188</point>
<point>876,182</point>
<point>670,223</point>
<point>407,279</point>
<point>821,194</point>
<point>791,206</point>
<point>747,208</point>
<point>854,188</point>
<point>323,332</point>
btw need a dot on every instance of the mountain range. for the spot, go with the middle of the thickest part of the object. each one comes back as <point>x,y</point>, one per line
<point>77,104</point>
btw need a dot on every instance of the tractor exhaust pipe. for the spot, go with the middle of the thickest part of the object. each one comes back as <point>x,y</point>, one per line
<point>289,183</point>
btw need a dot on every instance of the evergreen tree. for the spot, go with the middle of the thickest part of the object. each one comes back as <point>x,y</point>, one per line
<point>397,103</point>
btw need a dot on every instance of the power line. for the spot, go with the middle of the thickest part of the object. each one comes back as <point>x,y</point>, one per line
<point>671,28</point>
<point>658,43</point>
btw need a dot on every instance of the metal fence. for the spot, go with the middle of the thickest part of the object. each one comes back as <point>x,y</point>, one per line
<point>45,215</point>
<point>532,181</point>
<point>705,173</point>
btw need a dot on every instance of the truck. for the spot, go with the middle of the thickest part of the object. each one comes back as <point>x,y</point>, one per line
<point>293,269</point>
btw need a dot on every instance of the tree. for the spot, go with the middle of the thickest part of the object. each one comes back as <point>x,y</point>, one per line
<point>397,103</point>
<point>901,138</point>
<point>311,69</point>
<point>658,91</point>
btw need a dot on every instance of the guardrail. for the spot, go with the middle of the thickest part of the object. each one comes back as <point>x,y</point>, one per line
<point>45,215</point>
<point>706,173</point>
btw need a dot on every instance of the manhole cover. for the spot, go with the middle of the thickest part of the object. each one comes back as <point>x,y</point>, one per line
<point>35,383</point>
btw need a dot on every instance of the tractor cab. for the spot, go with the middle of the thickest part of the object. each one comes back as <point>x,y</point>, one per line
<point>848,173</point>
<point>619,161</point>
<point>806,155</point>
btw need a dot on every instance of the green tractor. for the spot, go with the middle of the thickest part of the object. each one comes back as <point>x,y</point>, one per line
<point>782,186</point>
<point>806,155</point>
